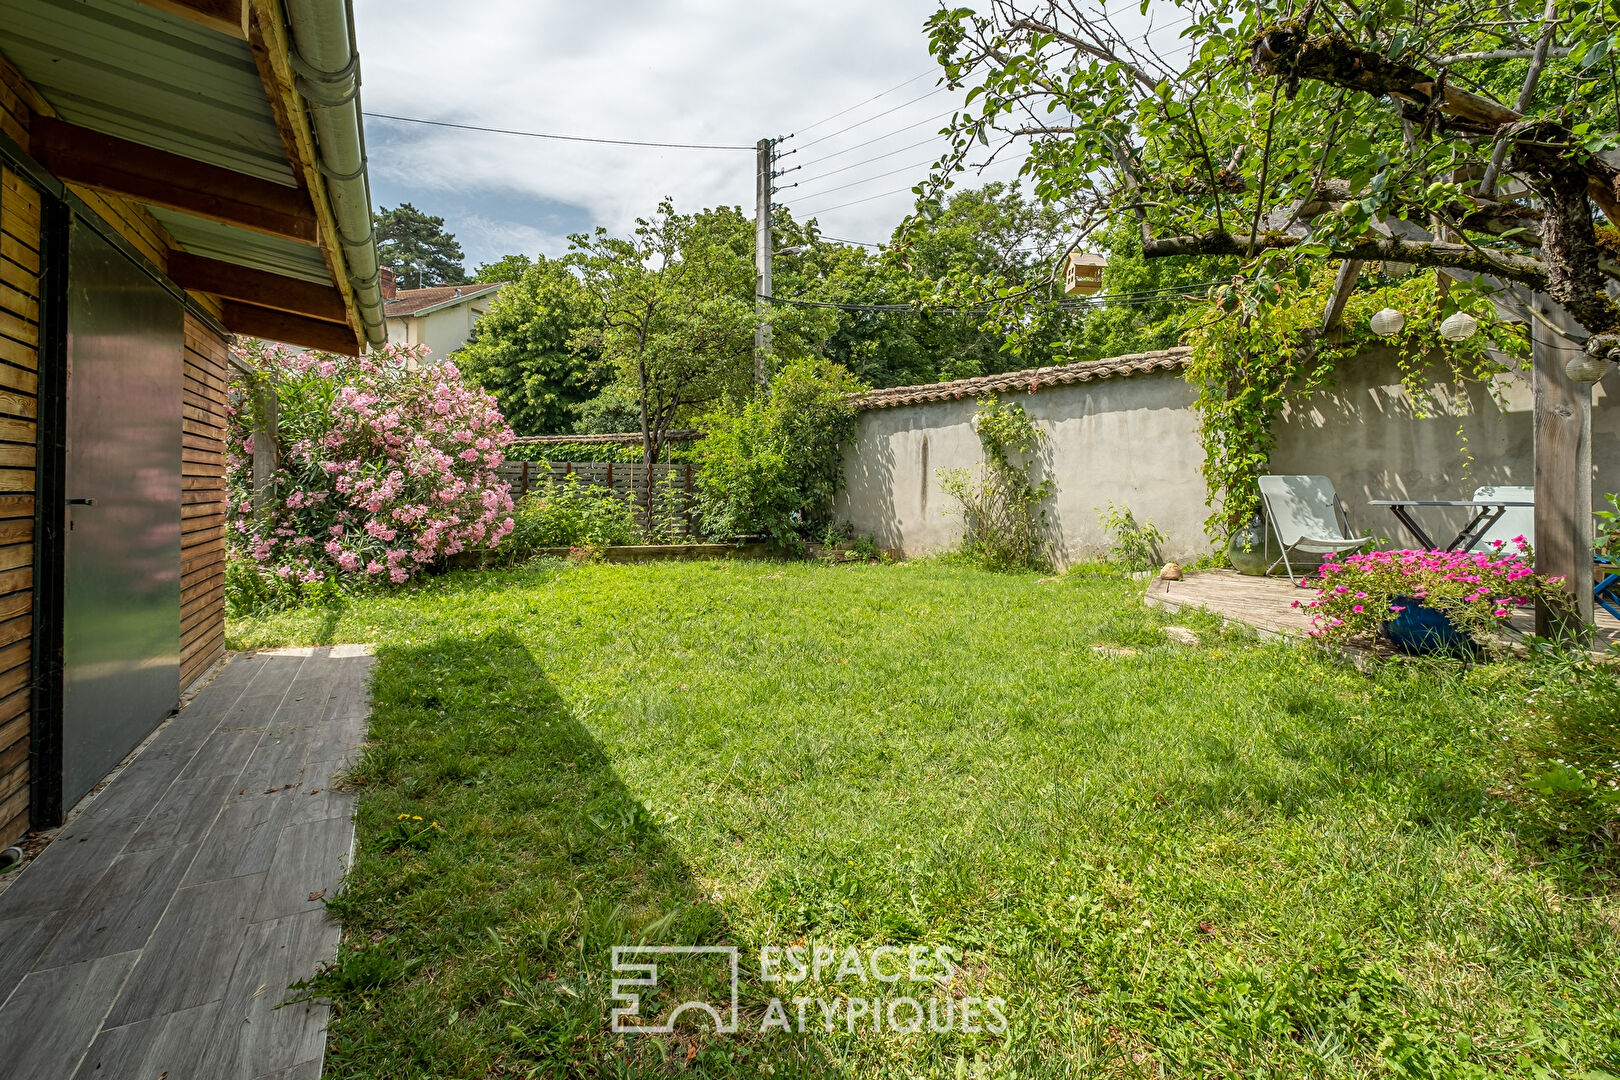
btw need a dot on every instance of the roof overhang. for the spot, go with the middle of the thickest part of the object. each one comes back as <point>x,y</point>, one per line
<point>200,111</point>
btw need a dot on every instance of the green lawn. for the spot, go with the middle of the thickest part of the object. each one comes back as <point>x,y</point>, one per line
<point>1228,859</point>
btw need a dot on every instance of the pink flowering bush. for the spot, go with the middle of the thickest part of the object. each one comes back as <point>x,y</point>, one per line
<point>386,466</point>
<point>1476,590</point>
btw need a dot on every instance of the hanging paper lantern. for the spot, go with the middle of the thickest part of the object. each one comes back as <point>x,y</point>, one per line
<point>1586,368</point>
<point>1388,323</point>
<point>1459,326</point>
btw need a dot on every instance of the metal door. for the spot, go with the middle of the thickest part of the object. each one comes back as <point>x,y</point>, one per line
<point>121,594</point>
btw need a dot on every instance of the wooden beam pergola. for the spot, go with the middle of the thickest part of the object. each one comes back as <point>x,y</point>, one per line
<point>260,322</point>
<point>160,178</point>
<point>257,287</point>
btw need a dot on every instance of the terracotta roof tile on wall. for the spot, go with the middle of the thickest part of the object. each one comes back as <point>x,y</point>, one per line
<point>1028,380</point>
<point>410,301</point>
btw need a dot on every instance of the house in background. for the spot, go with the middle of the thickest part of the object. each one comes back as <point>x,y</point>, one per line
<point>171,172</point>
<point>440,317</point>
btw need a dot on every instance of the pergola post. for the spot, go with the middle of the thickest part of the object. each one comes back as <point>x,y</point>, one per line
<point>264,448</point>
<point>1563,470</point>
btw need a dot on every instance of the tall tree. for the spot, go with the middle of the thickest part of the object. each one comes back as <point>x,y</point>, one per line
<point>1349,131</point>
<point>416,248</point>
<point>674,318</point>
<point>520,349</point>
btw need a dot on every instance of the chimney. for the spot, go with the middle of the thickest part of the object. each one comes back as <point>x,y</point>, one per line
<point>386,280</point>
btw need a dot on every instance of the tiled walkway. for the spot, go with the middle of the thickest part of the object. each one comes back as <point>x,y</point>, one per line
<point>158,932</point>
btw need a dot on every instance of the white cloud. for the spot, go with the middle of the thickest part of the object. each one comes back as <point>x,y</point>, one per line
<point>720,71</point>
<point>707,71</point>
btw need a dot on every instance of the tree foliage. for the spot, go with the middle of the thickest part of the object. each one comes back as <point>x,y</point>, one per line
<point>417,249</point>
<point>672,323</point>
<point>1290,136</point>
<point>522,349</point>
<point>772,463</point>
<point>506,268</point>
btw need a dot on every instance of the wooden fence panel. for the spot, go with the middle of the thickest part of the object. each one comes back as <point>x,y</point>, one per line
<point>625,477</point>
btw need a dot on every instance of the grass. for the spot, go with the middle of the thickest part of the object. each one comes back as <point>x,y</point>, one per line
<point>1228,859</point>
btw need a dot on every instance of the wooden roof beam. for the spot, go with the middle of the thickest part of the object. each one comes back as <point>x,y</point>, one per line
<point>292,329</point>
<point>226,16</point>
<point>258,287</point>
<point>159,178</point>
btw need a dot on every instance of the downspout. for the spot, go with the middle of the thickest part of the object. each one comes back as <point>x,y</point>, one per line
<point>328,67</point>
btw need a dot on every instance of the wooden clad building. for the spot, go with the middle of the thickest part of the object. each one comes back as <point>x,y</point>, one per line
<point>171,172</point>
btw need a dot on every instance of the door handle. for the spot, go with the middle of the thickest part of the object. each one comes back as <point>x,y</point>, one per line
<point>81,502</point>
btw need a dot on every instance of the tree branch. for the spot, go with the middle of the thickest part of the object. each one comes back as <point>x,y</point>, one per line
<point>1520,268</point>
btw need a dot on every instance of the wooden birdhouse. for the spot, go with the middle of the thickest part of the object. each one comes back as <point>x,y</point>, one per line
<point>1084,274</point>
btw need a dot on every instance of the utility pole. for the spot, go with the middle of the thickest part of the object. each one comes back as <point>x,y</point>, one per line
<point>764,169</point>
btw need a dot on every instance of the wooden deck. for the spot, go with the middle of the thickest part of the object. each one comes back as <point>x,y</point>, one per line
<point>157,933</point>
<point>1265,604</point>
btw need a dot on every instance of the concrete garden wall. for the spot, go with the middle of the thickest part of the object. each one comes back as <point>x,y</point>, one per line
<point>1133,439</point>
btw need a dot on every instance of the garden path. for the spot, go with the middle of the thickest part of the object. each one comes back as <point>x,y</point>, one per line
<point>160,929</point>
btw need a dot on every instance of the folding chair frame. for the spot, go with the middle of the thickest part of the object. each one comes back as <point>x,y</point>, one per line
<point>1343,518</point>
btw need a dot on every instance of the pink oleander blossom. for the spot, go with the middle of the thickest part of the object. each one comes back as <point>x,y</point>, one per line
<point>382,470</point>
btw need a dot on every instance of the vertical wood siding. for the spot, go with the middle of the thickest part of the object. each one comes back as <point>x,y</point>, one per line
<point>203,503</point>
<point>19,365</point>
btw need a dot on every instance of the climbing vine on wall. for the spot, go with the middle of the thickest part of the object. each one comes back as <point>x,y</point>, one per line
<point>1002,515</point>
<point>1258,349</point>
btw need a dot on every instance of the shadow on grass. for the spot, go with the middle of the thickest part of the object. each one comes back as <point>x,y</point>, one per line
<point>478,939</point>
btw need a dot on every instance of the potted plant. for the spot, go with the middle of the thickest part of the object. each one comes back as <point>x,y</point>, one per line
<point>1427,601</point>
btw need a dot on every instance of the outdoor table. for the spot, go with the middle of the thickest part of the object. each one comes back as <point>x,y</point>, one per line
<point>1486,513</point>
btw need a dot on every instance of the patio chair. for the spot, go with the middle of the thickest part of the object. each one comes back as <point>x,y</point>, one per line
<point>1607,591</point>
<point>1307,517</point>
<point>1515,520</point>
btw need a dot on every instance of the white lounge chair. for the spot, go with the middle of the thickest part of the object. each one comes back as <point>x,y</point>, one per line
<point>1306,515</point>
<point>1515,520</point>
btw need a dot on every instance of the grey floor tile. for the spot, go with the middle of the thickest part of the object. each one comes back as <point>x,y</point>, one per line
<point>62,874</point>
<point>226,751</point>
<point>314,800</point>
<point>254,1035</point>
<point>243,838</point>
<point>168,1047</point>
<point>25,937</point>
<point>310,860</point>
<point>304,1070</point>
<point>185,813</point>
<point>51,1017</point>
<point>275,766</point>
<point>120,913</point>
<point>193,951</point>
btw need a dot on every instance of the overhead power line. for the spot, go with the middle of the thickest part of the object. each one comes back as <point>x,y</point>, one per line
<point>869,198</point>
<point>857,243</point>
<point>550,135</point>
<point>869,179</point>
<point>868,101</point>
<point>866,161</point>
<point>874,116</point>
<point>885,135</point>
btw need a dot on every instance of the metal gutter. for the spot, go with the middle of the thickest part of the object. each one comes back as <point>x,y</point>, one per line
<point>327,64</point>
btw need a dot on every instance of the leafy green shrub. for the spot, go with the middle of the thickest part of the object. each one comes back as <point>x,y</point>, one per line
<point>251,590</point>
<point>1136,544</point>
<point>569,513</point>
<point>772,466</point>
<point>1001,508</point>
